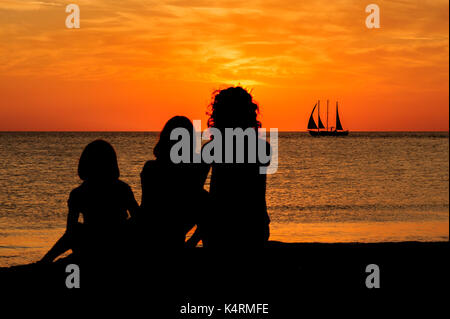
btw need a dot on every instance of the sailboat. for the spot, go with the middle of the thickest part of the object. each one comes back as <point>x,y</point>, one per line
<point>321,130</point>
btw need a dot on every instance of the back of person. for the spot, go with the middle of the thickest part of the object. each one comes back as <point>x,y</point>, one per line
<point>171,193</point>
<point>103,205</point>
<point>169,200</point>
<point>237,215</point>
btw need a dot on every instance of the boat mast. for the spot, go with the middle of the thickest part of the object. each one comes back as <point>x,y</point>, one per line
<point>336,114</point>
<point>327,114</point>
<point>318,116</point>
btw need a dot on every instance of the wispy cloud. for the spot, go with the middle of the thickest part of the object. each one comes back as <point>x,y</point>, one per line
<point>27,5</point>
<point>264,42</point>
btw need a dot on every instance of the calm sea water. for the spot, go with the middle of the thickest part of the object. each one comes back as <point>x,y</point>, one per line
<point>368,187</point>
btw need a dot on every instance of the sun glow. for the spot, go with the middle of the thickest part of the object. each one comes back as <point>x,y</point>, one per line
<point>132,65</point>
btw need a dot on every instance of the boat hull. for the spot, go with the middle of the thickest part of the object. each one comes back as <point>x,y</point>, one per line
<point>328,133</point>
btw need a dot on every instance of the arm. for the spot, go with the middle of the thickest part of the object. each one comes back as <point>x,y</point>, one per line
<point>193,241</point>
<point>73,215</point>
<point>203,171</point>
<point>201,220</point>
<point>146,185</point>
<point>72,219</point>
<point>66,241</point>
<point>133,206</point>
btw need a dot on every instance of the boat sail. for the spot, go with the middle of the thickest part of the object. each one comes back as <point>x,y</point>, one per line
<point>312,124</point>
<point>320,130</point>
<point>321,124</point>
<point>338,121</point>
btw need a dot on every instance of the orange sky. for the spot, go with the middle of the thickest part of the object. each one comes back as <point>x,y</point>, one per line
<point>133,64</point>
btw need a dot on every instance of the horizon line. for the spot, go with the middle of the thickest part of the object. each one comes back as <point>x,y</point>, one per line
<point>157,131</point>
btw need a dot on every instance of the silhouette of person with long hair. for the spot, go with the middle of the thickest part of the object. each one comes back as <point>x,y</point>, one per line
<point>172,194</point>
<point>237,216</point>
<point>103,200</point>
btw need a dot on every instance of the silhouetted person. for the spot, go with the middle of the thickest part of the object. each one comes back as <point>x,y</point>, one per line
<point>104,202</point>
<point>237,216</point>
<point>172,194</point>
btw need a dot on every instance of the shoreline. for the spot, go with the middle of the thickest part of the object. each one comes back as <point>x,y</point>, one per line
<point>30,246</point>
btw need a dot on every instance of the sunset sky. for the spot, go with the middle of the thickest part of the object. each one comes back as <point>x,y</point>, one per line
<point>134,64</point>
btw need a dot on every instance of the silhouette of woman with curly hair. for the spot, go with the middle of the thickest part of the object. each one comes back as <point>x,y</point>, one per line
<point>237,216</point>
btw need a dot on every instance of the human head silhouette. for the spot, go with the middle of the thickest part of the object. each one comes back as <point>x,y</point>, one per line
<point>164,145</point>
<point>98,162</point>
<point>233,107</point>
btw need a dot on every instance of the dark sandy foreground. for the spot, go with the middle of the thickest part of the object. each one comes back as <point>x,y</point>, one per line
<point>288,276</point>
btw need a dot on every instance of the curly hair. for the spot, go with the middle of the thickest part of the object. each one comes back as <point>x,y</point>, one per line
<point>233,107</point>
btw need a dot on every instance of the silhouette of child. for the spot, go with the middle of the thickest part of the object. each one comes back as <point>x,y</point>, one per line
<point>102,199</point>
<point>172,194</point>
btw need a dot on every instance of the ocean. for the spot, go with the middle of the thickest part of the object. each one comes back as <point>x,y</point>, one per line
<point>367,187</point>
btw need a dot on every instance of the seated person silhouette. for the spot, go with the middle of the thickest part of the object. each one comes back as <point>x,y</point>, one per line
<point>172,194</point>
<point>104,202</point>
<point>237,214</point>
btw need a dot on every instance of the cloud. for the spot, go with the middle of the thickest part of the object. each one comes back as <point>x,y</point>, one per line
<point>24,5</point>
<point>260,42</point>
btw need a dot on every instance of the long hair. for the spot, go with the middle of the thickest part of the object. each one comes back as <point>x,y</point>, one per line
<point>98,162</point>
<point>233,107</point>
<point>164,145</point>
